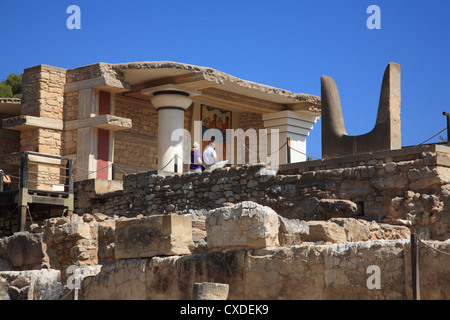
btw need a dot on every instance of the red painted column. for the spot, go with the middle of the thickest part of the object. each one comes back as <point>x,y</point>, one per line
<point>104,107</point>
<point>104,102</point>
<point>103,154</point>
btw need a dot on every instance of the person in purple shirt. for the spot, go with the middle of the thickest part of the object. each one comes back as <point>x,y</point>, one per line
<point>196,158</point>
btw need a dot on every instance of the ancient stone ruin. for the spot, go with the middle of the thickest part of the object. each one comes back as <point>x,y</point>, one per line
<point>371,220</point>
<point>313,242</point>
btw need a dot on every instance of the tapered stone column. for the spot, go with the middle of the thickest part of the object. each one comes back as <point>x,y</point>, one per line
<point>292,125</point>
<point>171,106</point>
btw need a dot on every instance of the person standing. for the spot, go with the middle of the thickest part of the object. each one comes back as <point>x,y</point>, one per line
<point>210,156</point>
<point>5,180</point>
<point>196,158</point>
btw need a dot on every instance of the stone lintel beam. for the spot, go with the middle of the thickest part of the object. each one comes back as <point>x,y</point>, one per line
<point>36,159</point>
<point>101,83</point>
<point>312,109</point>
<point>25,122</point>
<point>105,121</point>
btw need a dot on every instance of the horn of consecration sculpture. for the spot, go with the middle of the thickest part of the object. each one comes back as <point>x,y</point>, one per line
<point>386,134</point>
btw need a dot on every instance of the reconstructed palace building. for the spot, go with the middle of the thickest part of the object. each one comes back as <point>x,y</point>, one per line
<point>121,116</point>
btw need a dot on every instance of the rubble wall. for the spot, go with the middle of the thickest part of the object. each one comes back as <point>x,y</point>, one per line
<point>408,186</point>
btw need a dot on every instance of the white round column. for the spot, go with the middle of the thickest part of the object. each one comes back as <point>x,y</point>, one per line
<point>171,106</point>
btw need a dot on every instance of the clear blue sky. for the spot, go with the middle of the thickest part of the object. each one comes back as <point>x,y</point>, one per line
<point>285,44</point>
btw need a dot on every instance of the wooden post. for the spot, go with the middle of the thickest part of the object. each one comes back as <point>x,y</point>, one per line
<point>22,216</point>
<point>69,176</point>
<point>69,182</point>
<point>448,126</point>
<point>23,170</point>
<point>415,267</point>
<point>288,150</point>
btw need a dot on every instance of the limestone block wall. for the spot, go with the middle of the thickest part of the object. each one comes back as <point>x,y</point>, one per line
<point>138,146</point>
<point>29,140</point>
<point>49,141</point>
<point>69,138</point>
<point>43,96</point>
<point>337,271</point>
<point>43,92</point>
<point>314,269</point>
<point>248,120</point>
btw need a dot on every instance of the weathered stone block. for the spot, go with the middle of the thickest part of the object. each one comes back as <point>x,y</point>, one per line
<point>24,251</point>
<point>292,231</point>
<point>3,294</point>
<point>352,189</point>
<point>326,231</point>
<point>354,229</point>
<point>435,281</point>
<point>337,208</point>
<point>5,265</point>
<point>396,181</point>
<point>393,232</point>
<point>153,235</point>
<point>427,178</point>
<point>245,225</point>
<point>210,291</point>
<point>42,284</point>
<point>106,238</point>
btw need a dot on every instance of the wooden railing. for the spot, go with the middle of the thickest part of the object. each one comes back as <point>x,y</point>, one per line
<point>36,178</point>
<point>39,173</point>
